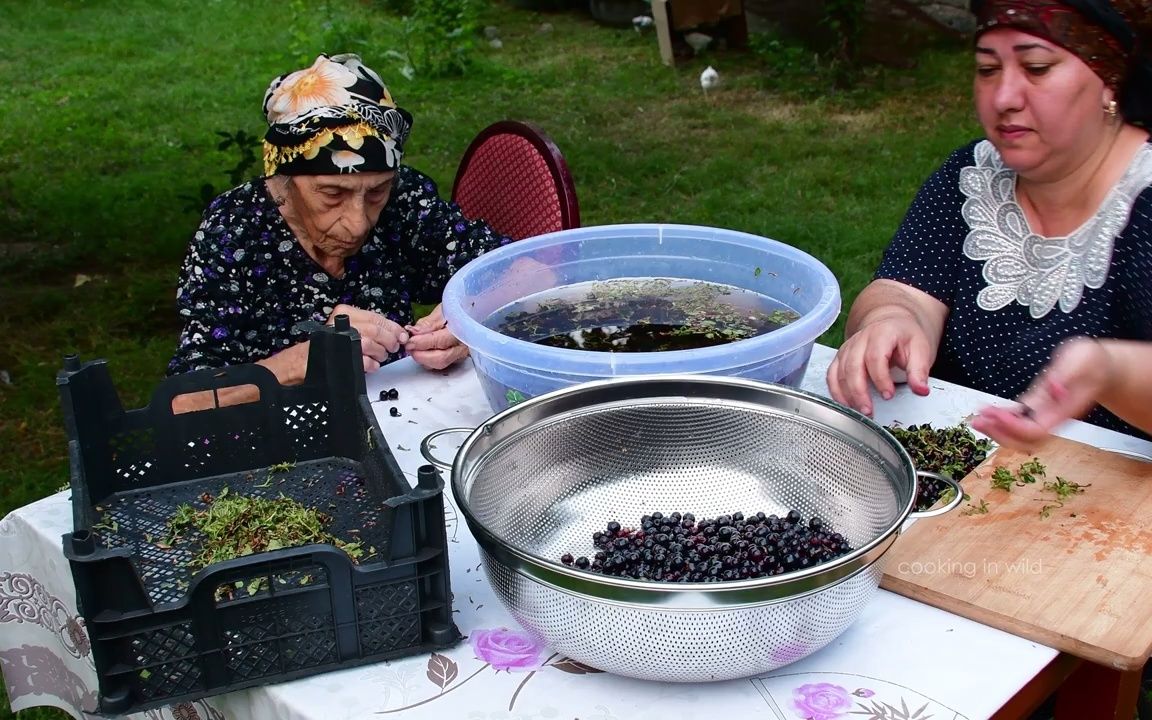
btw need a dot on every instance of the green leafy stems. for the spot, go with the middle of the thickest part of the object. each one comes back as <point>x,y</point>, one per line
<point>232,526</point>
<point>1063,489</point>
<point>953,451</point>
<point>1029,473</point>
<point>981,509</point>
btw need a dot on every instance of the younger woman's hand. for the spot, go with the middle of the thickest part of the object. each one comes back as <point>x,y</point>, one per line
<point>1074,380</point>
<point>880,354</point>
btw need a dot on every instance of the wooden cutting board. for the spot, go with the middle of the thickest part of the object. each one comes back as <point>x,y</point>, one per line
<point>1079,580</point>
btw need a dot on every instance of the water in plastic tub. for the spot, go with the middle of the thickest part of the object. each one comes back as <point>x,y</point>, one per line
<point>597,302</point>
<point>640,315</point>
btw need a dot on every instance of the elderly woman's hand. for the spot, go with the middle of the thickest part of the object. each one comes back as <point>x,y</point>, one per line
<point>431,344</point>
<point>379,336</point>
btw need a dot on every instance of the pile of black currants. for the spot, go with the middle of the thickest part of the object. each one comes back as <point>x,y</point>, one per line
<point>677,548</point>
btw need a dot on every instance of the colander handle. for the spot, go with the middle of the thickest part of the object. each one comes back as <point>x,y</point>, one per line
<point>426,446</point>
<point>952,504</point>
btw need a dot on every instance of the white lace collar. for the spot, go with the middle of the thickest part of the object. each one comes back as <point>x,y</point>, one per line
<point>1037,271</point>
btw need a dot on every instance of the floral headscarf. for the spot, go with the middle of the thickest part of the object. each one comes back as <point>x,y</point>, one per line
<point>334,117</point>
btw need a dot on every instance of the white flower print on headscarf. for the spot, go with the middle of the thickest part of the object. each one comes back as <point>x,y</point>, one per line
<point>324,84</point>
<point>347,160</point>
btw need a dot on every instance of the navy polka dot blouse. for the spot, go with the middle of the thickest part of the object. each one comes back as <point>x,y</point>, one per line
<point>1013,296</point>
<point>246,281</point>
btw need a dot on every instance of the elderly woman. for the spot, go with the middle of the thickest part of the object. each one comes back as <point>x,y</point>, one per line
<point>337,226</point>
<point>1040,231</point>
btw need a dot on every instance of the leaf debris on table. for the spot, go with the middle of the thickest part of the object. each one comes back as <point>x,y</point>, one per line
<point>1063,489</point>
<point>1029,473</point>
<point>981,509</point>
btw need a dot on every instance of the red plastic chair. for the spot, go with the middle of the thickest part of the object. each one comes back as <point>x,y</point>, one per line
<point>514,177</point>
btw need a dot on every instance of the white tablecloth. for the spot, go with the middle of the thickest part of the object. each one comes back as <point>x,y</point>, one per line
<point>899,652</point>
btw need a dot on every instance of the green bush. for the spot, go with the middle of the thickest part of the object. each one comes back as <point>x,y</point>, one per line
<point>790,65</point>
<point>442,36</point>
<point>397,7</point>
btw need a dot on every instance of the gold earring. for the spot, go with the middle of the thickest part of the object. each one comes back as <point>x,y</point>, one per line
<point>1111,109</point>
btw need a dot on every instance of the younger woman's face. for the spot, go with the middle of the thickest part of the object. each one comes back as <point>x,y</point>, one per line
<point>1039,104</point>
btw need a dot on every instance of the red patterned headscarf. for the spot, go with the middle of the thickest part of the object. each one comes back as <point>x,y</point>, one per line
<point>1063,25</point>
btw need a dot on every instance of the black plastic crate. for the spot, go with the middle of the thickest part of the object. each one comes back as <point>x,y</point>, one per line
<point>162,634</point>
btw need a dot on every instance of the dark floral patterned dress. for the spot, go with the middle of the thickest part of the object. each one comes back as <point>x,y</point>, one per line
<point>246,281</point>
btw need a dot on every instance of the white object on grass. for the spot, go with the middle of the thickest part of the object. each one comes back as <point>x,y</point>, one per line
<point>709,79</point>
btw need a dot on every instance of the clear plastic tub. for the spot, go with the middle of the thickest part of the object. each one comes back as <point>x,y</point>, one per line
<point>512,370</point>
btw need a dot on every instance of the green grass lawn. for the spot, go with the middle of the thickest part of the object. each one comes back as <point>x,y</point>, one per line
<point>110,111</point>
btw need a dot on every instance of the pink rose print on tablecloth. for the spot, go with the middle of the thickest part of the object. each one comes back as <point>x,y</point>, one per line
<point>829,696</point>
<point>506,649</point>
<point>500,649</point>
<point>821,701</point>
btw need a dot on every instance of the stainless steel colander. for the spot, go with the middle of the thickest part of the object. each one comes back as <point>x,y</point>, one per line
<point>536,480</point>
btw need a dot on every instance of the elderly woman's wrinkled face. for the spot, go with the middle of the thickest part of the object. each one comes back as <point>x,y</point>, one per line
<point>337,212</point>
<point>1040,105</point>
